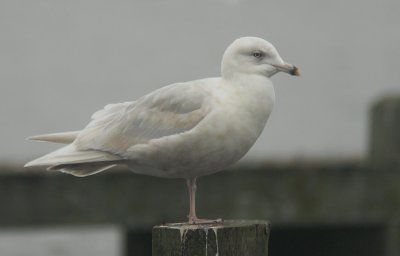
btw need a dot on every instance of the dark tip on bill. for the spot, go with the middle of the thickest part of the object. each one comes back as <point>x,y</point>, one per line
<point>295,71</point>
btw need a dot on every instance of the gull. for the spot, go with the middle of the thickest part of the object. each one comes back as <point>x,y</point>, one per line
<point>183,130</point>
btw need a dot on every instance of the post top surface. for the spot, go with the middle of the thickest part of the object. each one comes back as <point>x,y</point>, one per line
<point>216,225</point>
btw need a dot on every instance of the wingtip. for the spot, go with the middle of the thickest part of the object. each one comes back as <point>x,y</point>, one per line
<point>61,137</point>
<point>30,138</point>
<point>36,162</point>
<point>35,137</point>
<point>29,164</point>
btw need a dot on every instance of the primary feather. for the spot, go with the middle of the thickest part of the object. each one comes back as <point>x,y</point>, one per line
<point>61,137</point>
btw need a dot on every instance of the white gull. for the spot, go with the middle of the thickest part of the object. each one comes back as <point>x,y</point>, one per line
<point>183,130</point>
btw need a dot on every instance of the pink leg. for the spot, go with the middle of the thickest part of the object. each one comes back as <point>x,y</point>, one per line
<point>191,185</point>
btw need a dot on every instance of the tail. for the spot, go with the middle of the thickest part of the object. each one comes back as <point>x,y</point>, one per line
<point>61,137</point>
<point>77,162</point>
<point>82,170</point>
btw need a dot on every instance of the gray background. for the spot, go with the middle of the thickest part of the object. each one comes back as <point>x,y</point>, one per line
<point>62,60</point>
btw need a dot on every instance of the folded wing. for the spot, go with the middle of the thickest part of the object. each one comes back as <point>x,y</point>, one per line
<point>113,130</point>
<point>170,110</point>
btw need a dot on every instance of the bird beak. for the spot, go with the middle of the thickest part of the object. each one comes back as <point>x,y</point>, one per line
<point>288,68</point>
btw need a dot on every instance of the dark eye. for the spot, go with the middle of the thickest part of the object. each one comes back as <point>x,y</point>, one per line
<point>258,54</point>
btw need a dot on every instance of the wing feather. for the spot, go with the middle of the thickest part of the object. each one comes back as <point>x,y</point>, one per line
<point>168,111</point>
<point>61,137</point>
<point>70,155</point>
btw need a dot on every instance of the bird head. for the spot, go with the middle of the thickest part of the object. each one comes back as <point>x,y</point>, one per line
<point>253,55</point>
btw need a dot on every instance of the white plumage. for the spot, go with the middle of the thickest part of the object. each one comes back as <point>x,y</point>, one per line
<point>183,130</point>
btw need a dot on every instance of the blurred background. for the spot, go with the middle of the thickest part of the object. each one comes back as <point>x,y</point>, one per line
<point>324,172</point>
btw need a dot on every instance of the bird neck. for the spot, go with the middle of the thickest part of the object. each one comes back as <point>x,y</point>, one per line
<point>243,79</point>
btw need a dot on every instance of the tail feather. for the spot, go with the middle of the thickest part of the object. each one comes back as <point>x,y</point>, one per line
<point>61,137</point>
<point>82,170</point>
<point>69,155</point>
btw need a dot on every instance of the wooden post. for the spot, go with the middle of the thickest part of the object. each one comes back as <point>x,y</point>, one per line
<point>230,238</point>
<point>384,152</point>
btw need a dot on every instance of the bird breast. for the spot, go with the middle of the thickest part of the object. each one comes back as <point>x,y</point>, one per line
<point>235,121</point>
<point>244,109</point>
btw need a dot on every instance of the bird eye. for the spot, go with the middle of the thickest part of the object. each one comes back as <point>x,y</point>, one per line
<point>258,54</point>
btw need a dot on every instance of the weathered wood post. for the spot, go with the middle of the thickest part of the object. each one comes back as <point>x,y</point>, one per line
<point>384,152</point>
<point>230,238</point>
<point>384,155</point>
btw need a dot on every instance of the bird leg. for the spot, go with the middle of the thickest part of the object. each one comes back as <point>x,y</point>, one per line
<point>191,185</point>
